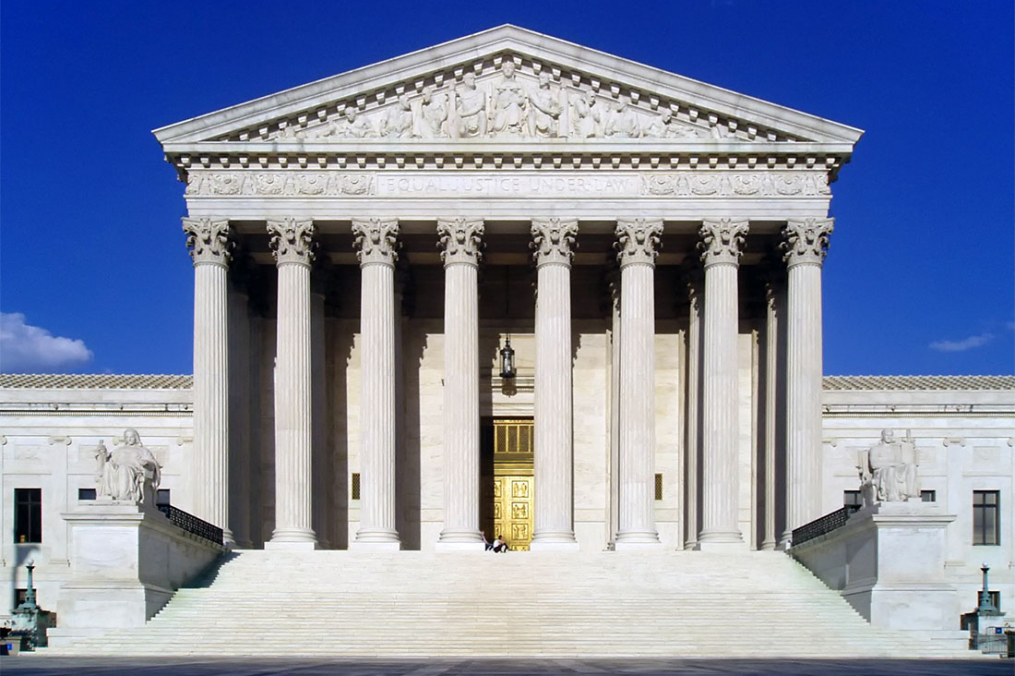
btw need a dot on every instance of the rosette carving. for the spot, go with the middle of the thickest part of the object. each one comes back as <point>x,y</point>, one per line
<point>292,240</point>
<point>461,240</point>
<point>638,240</point>
<point>208,240</point>
<point>553,240</point>
<point>722,240</point>
<point>376,240</point>
<point>806,240</point>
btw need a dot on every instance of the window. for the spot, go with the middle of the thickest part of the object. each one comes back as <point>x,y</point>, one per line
<point>20,594</point>
<point>928,496</point>
<point>986,511</point>
<point>28,515</point>
<point>162,496</point>
<point>852,499</point>
<point>355,486</point>
<point>86,494</point>
<point>659,486</point>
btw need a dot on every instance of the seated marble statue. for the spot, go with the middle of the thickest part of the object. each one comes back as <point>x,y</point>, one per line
<point>889,471</point>
<point>129,473</point>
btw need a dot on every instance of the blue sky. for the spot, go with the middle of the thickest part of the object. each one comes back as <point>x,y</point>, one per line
<point>95,277</point>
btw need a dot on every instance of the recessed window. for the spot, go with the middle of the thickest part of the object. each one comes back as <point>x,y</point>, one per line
<point>993,596</point>
<point>162,496</point>
<point>928,496</point>
<point>852,499</point>
<point>355,486</point>
<point>659,486</point>
<point>28,515</point>
<point>86,494</point>
<point>20,594</point>
<point>986,517</point>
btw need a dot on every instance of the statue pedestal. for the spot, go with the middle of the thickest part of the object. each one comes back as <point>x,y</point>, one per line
<point>888,562</point>
<point>126,562</point>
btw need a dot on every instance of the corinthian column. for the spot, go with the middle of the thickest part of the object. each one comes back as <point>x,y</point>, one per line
<point>637,245</point>
<point>375,247</point>
<point>461,239</point>
<point>292,245</point>
<point>553,242</point>
<point>805,244</point>
<point>210,249</point>
<point>774,310</point>
<point>722,242</point>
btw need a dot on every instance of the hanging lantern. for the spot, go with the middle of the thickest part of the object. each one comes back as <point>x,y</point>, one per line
<point>507,360</point>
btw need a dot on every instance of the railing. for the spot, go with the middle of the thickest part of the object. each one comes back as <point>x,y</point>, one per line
<point>191,523</point>
<point>824,524</point>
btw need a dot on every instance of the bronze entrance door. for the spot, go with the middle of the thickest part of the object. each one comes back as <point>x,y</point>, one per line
<point>507,481</point>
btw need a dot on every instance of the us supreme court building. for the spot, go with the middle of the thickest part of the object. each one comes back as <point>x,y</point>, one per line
<point>512,285</point>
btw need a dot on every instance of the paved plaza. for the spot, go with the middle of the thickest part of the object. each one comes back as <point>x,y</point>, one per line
<point>83,666</point>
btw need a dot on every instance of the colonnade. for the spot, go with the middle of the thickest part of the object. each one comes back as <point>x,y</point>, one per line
<point>712,339</point>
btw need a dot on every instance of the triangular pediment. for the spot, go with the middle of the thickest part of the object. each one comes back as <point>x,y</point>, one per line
<point>506,85</point>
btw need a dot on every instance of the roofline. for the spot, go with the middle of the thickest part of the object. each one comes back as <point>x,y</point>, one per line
<point>489,42</point>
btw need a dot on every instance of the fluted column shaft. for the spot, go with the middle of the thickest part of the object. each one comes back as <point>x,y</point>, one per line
<point>805,244</point>
<point>292,245</point>
<point>637,244</point>
<point>772,417</point>
<point>210,247</point>
<point>461,240</point>
<point>553,242</point>
<point>722,241</point>
<point>375,242</point>
<point>692,448</point>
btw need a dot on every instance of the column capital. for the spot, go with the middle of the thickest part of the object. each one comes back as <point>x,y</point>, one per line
<point>553,240</point>
<point>805,240</point>
<point>722,241</point>
<point>461,240</point>
<point>376,240</point>
<point>638,240</point>
<point>292,240</point>
<point>209,240</point>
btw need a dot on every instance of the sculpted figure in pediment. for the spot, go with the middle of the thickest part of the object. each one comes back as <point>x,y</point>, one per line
<point>350,125</point>
<point>544,114</point>
<point>509,103</point>
<point>433,115</point>
<point>470,108</point>
<point>398,122</point>
<point>622,122</point>
<point>668,126</point>
<point>588,116</point>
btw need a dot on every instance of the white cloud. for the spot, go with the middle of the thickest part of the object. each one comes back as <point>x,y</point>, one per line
<point>25,348</point>
<point>970,343</point>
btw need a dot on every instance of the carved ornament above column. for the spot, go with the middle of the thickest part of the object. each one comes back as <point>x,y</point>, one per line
<point>208,240</point>
<point>292,240</point>
<point>461,240</point>
<point>805,241</point>
<point>722,241</point>
<point>638,240</point>
<point>376,240</point>
<point>553,240</point>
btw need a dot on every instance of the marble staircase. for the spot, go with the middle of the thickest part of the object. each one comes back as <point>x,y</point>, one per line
<point>412,604</point>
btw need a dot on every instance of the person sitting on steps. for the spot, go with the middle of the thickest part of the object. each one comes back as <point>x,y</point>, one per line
<point>499,545</point>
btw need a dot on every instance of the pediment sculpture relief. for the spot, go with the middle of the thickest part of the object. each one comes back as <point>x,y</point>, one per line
<point>509,104</point>
<point>129,473</point>
<point>889,470</point>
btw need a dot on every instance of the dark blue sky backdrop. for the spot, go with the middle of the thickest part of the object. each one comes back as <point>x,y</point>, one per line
<point>919,279</point>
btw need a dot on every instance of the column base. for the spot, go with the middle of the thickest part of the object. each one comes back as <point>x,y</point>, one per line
<point>294,538</point>
<point>637,540</point>
<point>554,543</point>
<point>376,541</point>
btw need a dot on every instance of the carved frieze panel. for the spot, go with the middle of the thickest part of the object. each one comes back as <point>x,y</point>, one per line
<point>394,183</point>
<point>507,97</point>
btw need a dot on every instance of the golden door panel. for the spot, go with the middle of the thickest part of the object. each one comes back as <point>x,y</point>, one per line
<point>507,482</point>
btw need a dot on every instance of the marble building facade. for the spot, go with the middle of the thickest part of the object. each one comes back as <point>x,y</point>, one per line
<point>363,248</point>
